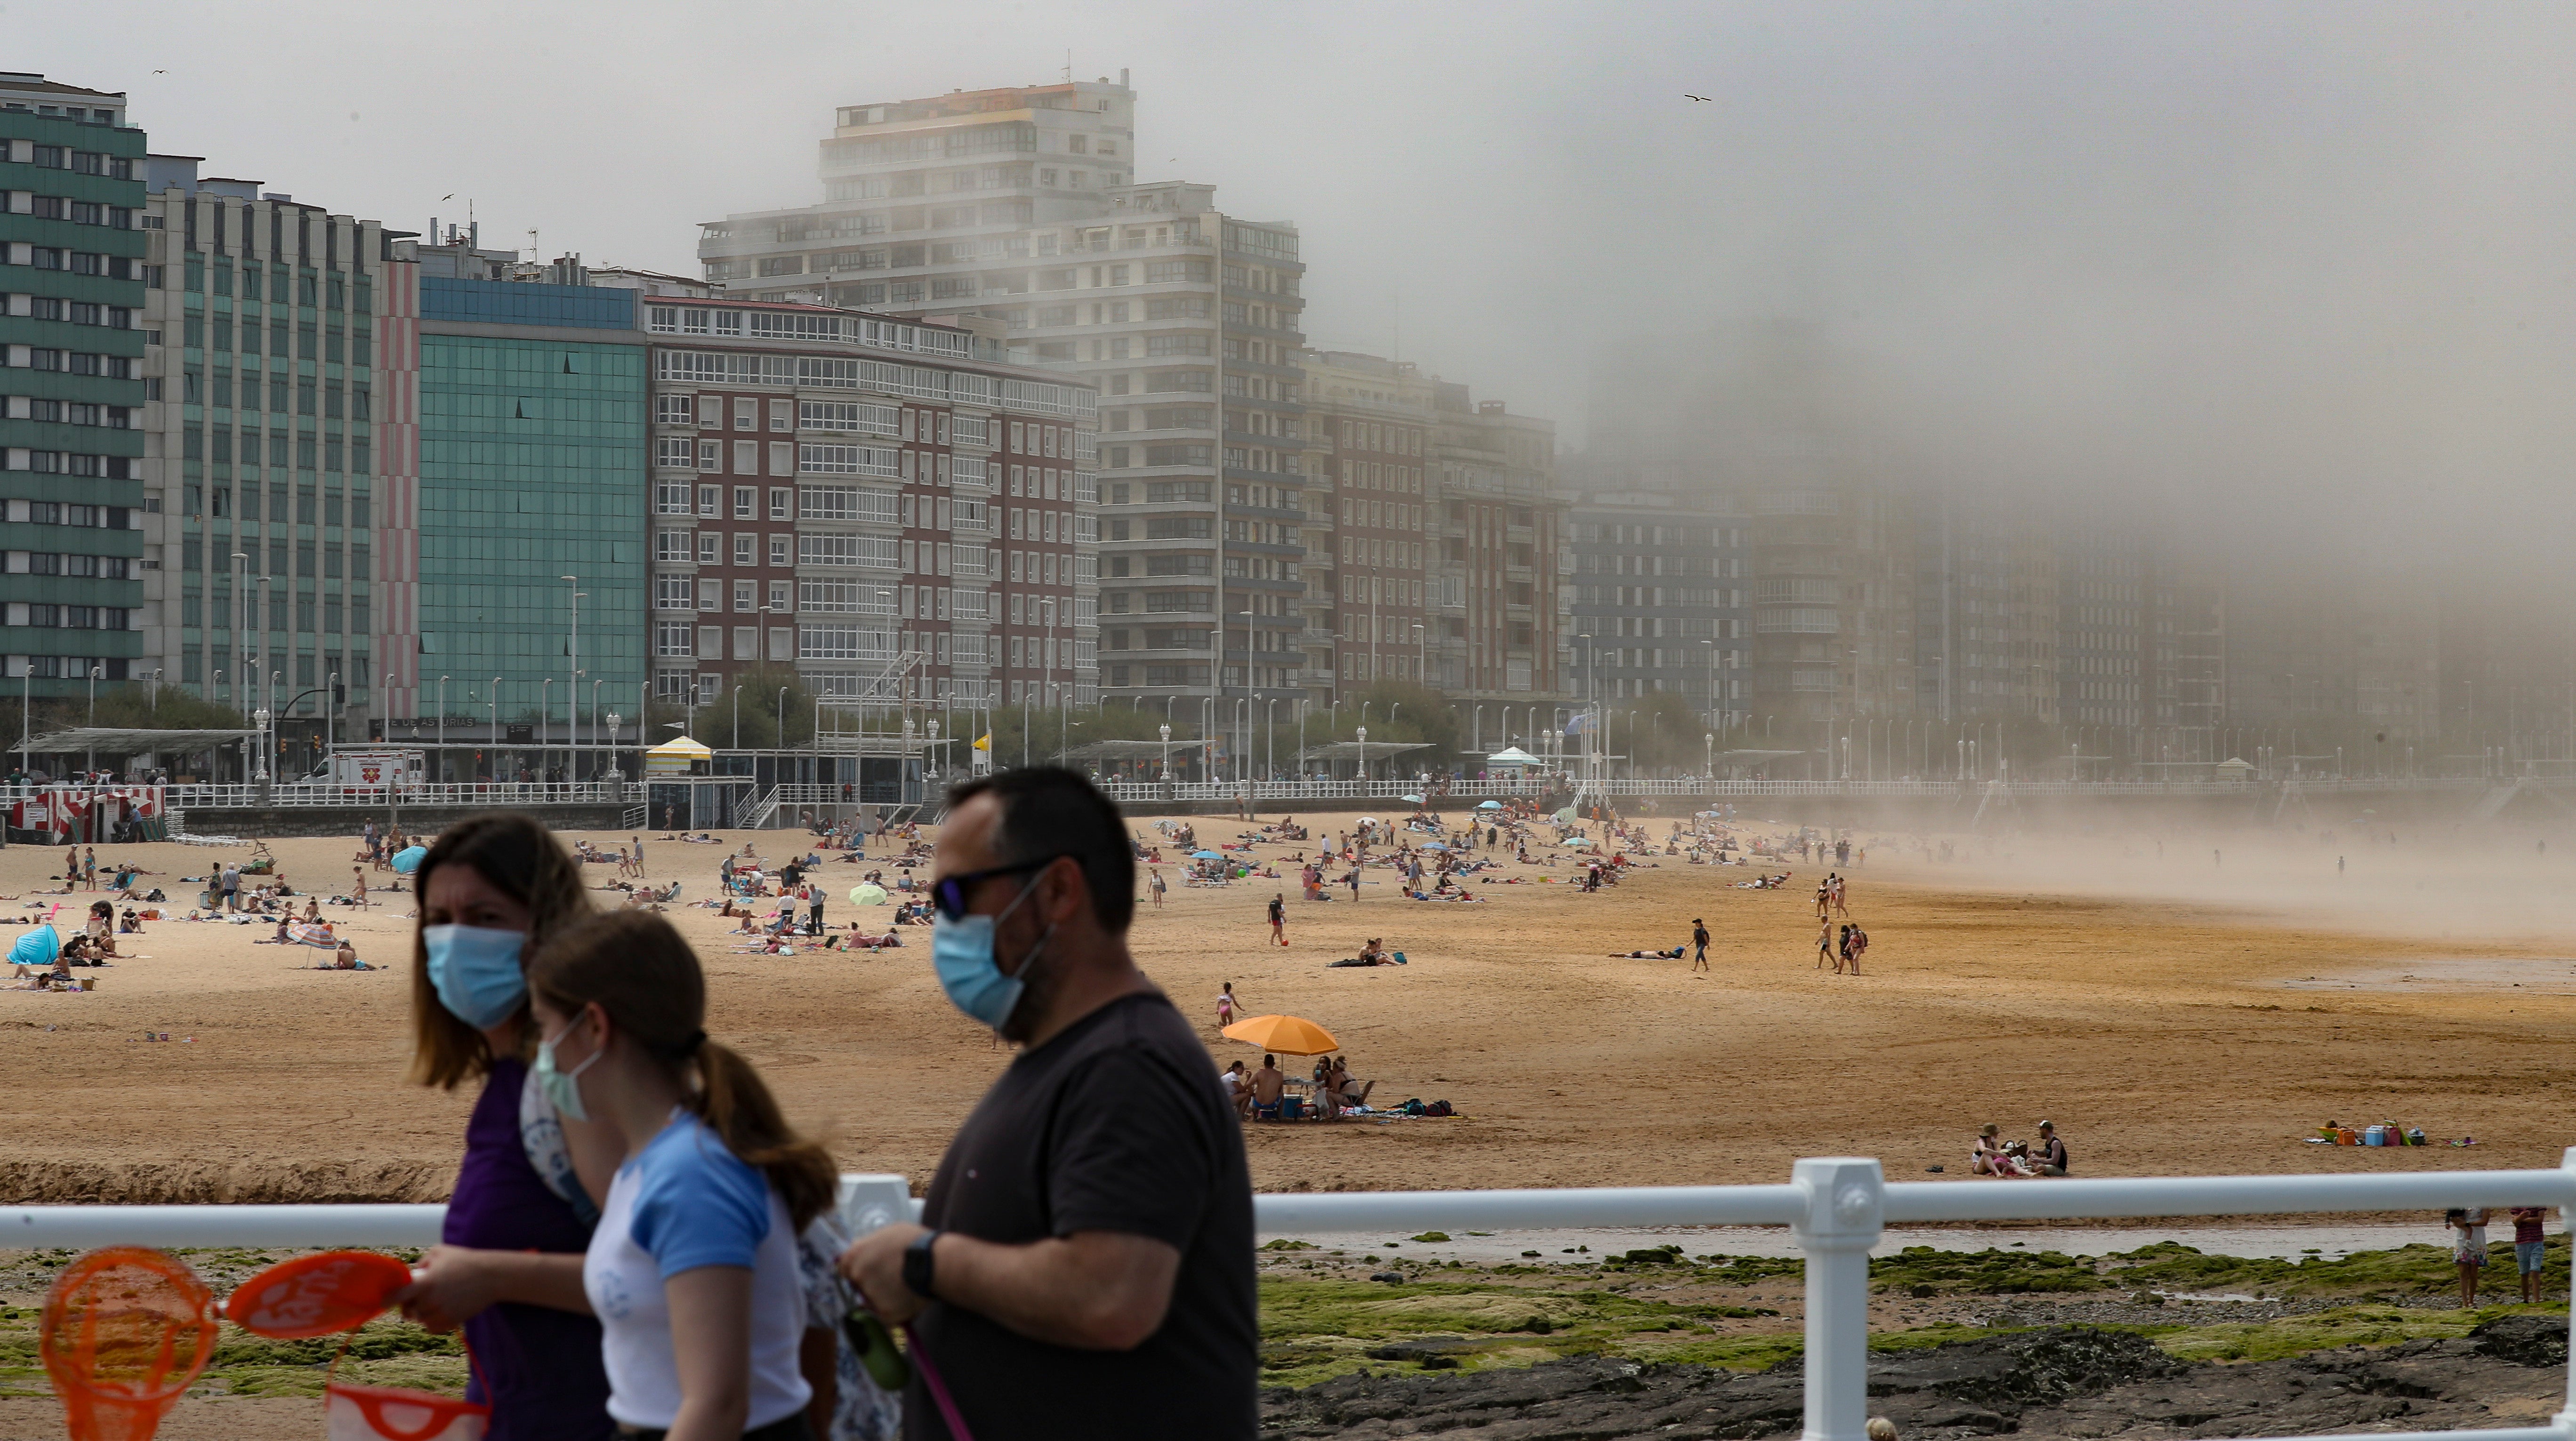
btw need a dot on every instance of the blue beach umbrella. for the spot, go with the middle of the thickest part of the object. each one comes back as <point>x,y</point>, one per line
<point>408,859</point>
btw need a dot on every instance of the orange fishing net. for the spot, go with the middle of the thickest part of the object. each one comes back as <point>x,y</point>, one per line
<point>125,1330</point>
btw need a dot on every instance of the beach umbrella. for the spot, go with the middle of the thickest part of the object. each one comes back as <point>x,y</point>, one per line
<point>1431,846</point>
<point>1417,800</point>
<point>1579,842</point>
<point>1288,1035</point>
<point>1205,856</point>
<point>1365,821</point>
<point>1490,806</point>
<point>408,859</point>
<point>1566,814</point>
<point>869,894</point>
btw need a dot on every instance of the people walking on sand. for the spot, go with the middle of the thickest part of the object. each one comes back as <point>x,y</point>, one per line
<point>1155,887</point>
<point>1842,906</point>
<point>1825,953</point>
<point>1279,917</point>
<point>1843,950</point>
<point>1856,947</point>
<point>1824,899</point>
<point>1225,1006</point>
<point>1699,943</point>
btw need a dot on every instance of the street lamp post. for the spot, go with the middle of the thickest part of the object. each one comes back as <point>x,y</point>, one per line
<point>1167,753</point>
<point>614,775</point>
<point>442,730</point>
<point>1363,734</point>
<point>545,685</point>
<point>737,717</point>
<point>572,679</point>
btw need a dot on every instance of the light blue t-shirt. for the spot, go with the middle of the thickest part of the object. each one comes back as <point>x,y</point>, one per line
<point>697,1203</point>
<point>686,1202</point>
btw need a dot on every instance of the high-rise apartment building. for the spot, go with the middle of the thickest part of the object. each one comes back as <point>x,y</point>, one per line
<point>1020,205</point>
<point>1660,588</point>
<point>1374,562</point>
<point>75,341</point>
<point>888,507</point>
<point>1988,583</point>
<point>1503,604</point>
<point>264,466</point>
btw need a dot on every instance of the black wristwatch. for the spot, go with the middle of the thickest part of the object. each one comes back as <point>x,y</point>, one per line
<point>919,1266</point>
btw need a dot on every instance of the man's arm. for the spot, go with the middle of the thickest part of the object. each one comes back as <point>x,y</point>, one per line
<point>1092,1290</point>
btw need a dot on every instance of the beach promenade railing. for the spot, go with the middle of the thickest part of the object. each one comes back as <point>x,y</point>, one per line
<point>1836,1208</point>
<point>482,793</point>
<point>1463,794</point>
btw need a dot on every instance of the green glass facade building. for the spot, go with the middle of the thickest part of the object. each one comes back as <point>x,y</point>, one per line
<point>531,457</point>
<point>72,386</point>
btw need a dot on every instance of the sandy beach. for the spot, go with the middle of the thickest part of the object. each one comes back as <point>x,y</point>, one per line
<point>2168,1020</point>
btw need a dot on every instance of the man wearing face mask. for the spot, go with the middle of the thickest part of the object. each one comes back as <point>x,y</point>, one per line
<point>1086,1266</point>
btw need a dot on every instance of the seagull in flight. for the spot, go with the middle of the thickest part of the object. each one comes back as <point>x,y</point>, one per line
<point>1686,95</point>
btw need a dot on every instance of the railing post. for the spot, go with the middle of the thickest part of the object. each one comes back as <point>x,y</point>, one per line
<point>2565,1420</point>
<point>1842,1221</point>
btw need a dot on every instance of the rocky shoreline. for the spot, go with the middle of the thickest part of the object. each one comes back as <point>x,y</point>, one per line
<point>2069,1381</point>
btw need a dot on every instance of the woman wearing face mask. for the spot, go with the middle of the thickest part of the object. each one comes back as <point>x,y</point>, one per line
<point>509,1271</point>
<point>693,1268</point>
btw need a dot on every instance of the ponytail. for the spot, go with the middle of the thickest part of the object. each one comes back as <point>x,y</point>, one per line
<point>736,1104</point>
<point>638,969</point>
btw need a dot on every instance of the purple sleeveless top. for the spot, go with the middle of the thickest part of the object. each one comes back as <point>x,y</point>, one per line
<point>546,1378</point>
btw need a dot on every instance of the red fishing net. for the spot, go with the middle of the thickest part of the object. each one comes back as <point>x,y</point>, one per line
<point>126,1330</point>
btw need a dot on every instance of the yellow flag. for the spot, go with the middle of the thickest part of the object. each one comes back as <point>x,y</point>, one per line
<point>984,742</point>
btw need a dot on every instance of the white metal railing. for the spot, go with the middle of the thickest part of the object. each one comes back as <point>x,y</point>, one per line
<point>1836,1207</point>
<point>477,793</point>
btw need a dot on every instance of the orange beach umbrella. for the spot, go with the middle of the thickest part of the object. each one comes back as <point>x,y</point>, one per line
<point>1288,1035</point>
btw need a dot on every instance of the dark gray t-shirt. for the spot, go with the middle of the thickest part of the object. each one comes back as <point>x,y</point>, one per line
<point>1118,1124</point>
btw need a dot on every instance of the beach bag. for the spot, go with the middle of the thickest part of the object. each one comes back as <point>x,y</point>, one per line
<point>1438,1108</point>
<point>395,1413</point>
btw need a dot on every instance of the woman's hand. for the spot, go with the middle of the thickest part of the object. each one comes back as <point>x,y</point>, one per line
<point>452,1285</point>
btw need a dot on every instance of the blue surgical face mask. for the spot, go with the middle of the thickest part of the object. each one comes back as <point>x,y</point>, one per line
<point>562,1089</point>
<point>475,971</point>
<point>961,952</point>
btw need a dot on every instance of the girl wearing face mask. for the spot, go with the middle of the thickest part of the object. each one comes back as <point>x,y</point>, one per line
<point>693,1268</point>
<point>509,1268</point>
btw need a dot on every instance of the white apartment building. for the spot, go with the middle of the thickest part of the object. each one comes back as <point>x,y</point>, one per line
<point>1020,206</point>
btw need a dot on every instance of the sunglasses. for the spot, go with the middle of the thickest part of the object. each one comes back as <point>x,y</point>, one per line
<point>948,893</point>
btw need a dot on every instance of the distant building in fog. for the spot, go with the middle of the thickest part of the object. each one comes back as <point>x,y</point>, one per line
<point>1661,585</point>
<point>1020,205</point>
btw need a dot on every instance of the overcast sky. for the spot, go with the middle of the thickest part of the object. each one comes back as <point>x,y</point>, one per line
<point>2315,254</point>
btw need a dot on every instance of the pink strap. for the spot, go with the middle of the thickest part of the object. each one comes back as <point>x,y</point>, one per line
<point>939,1396</point>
